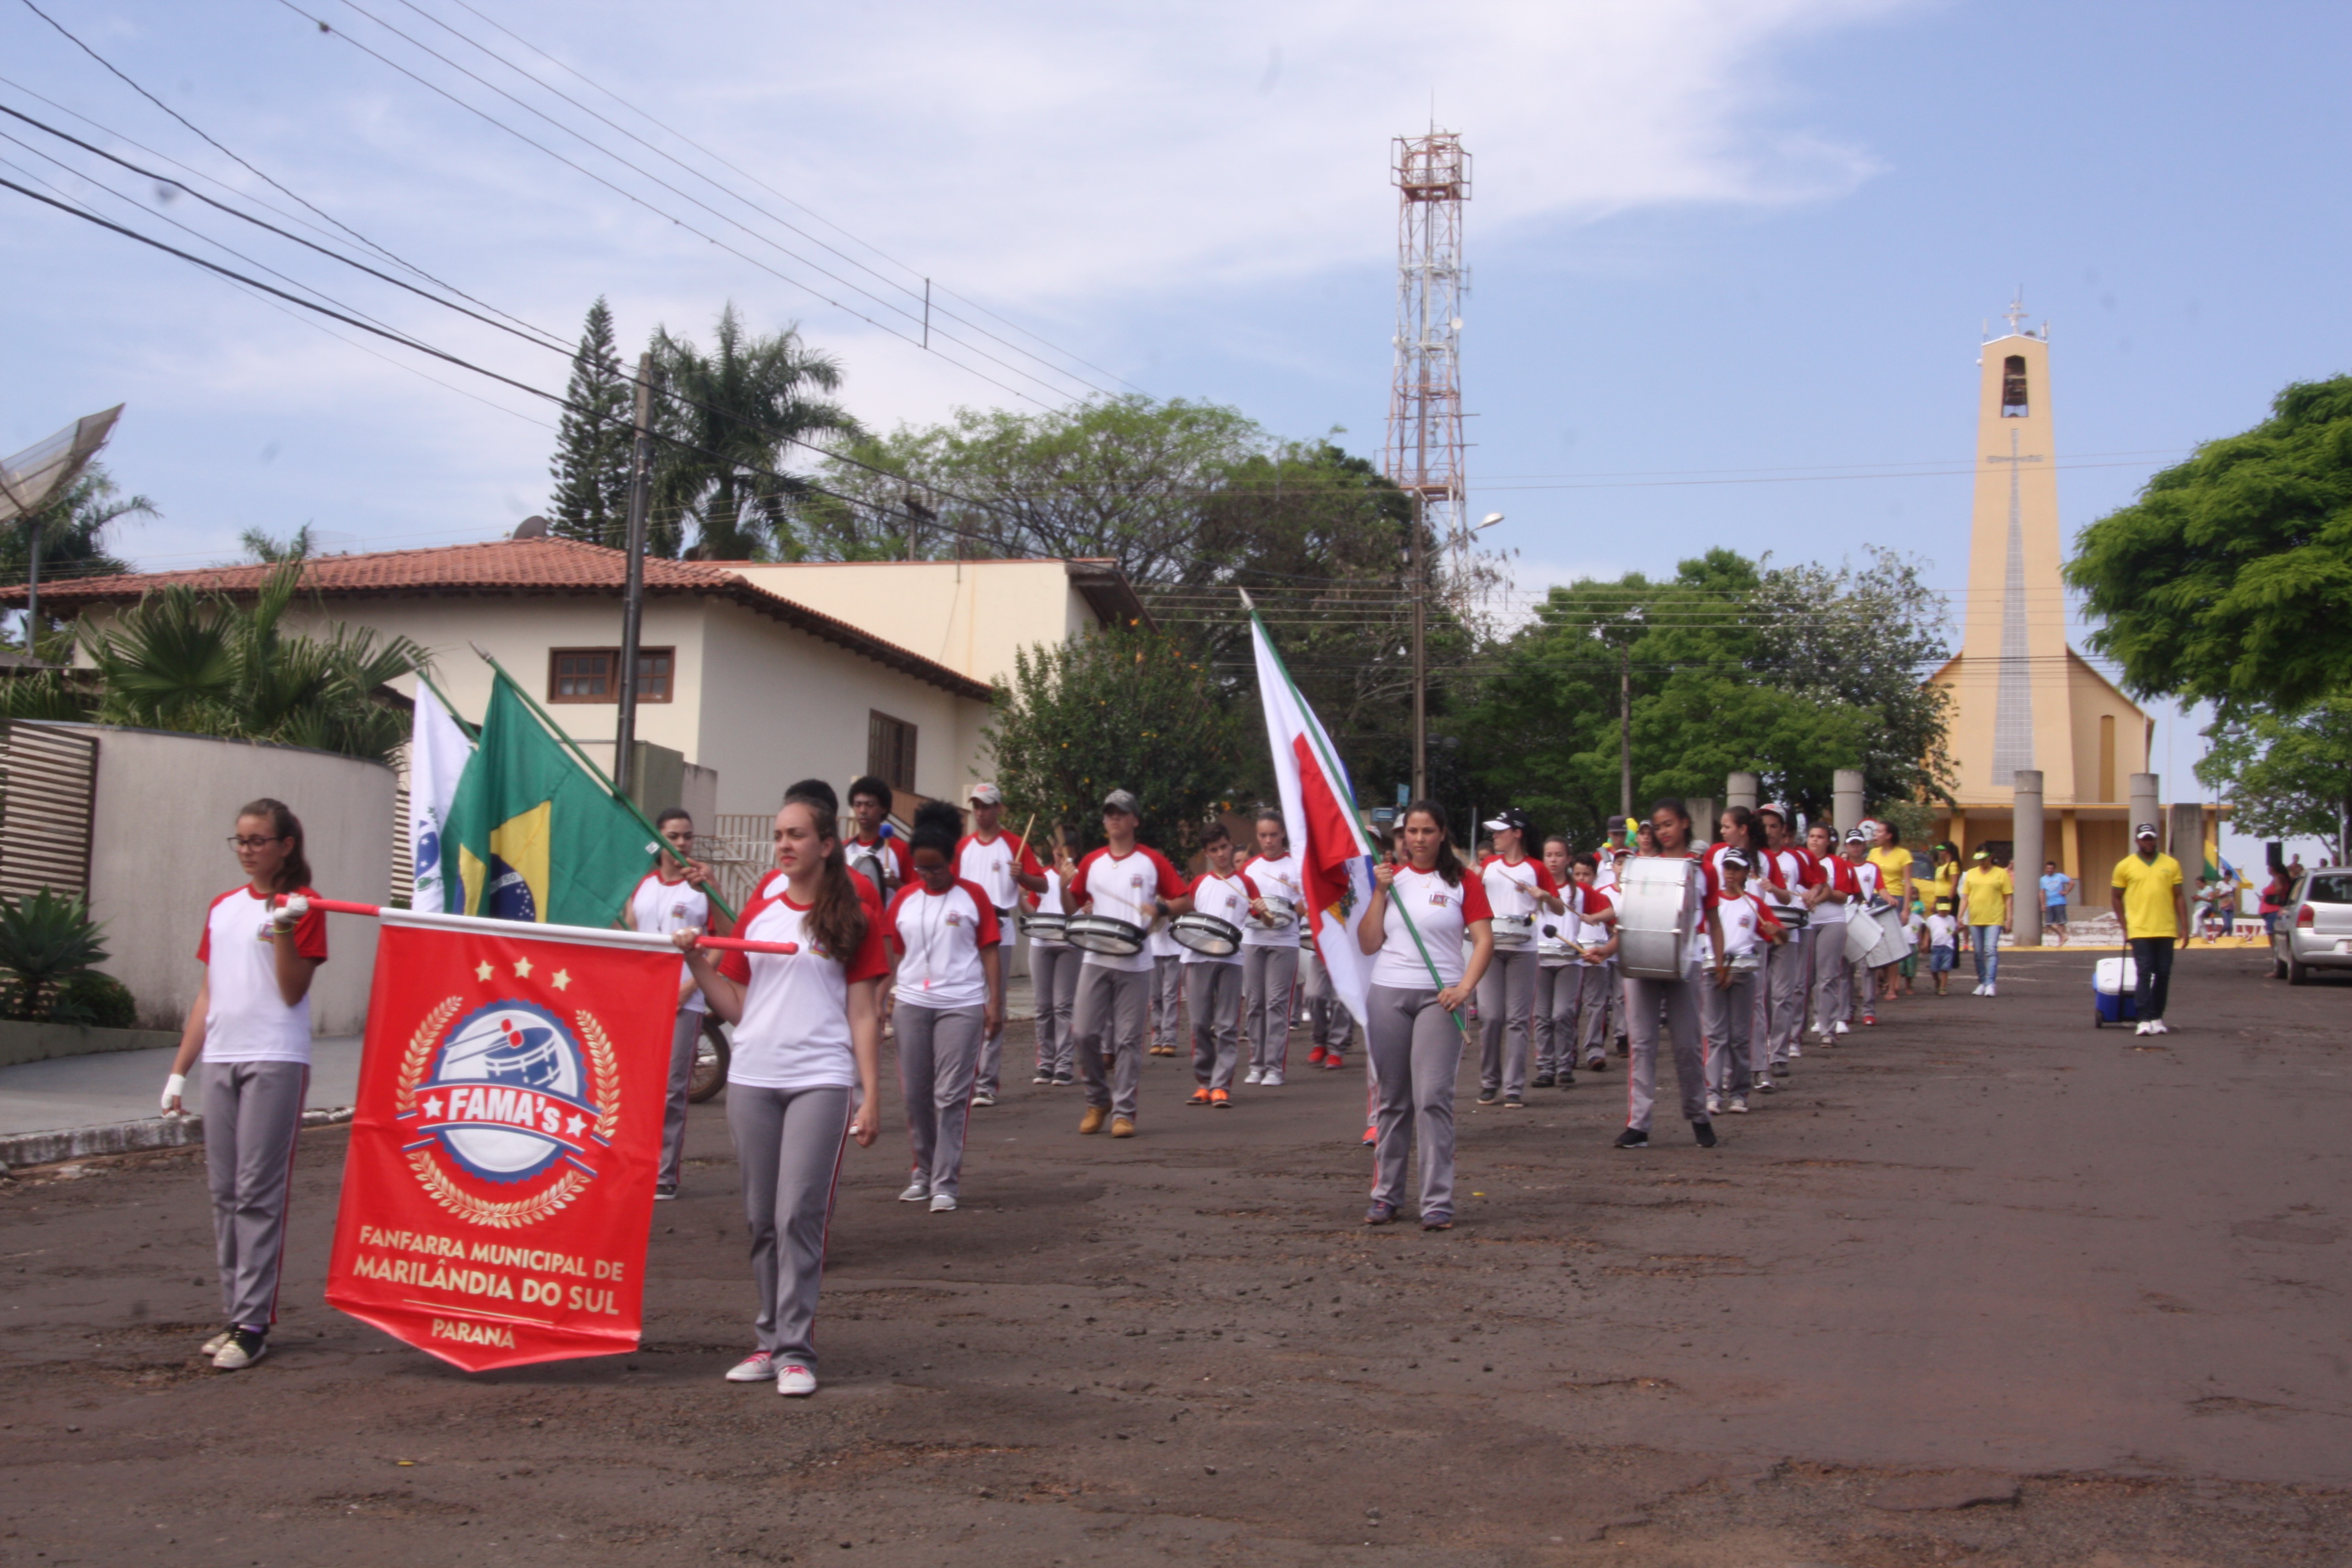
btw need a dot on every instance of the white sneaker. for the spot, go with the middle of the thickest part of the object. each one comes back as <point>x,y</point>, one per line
<point>1979,990</point>
<point>1764,1086</point>
<point>212,1347</point>
<point>1255,1075</point>
<point>795,1382</point>
<point>982,1099</point>
<point>1273,1079</point>
<point>757,1367</point>
<point>1714,1104</point>
<point>1843,1027</point>
<point>916,1193</point>
<point>2141,1027</point>
<point>2158,1026</point>
<point>1796,1049</point>
<point>943,1203</point>
<point>1739,1106</point>
<point>1992,990</point>
<point>242,1348</point>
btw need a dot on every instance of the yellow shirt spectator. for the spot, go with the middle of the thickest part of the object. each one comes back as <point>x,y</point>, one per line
<point>1893,874</point>
<point>1988,889</point>
<point>1945,885</point>
<point>2148,887</point>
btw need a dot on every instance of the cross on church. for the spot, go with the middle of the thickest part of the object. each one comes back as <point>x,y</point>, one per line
<point>2016,311</point>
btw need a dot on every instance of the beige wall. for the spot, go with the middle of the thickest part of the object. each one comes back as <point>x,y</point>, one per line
<point>159,856</point>
<point>968,615</point>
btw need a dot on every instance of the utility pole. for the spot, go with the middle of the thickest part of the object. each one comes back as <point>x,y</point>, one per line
<point>1418,568</point>
<point>1625,730</point>
<point>33,584</point>
<point>633,592</point>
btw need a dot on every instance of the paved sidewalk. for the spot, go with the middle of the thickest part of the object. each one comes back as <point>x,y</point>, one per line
<point>127,1086</point>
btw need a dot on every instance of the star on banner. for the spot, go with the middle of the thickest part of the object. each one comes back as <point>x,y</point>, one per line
<point>560,979</point>
<point>523,968</point>
<point>433,1108</point>
<point>573,1125</point>
<point>483,971</point>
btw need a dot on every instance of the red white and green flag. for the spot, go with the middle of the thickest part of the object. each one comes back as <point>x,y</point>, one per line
<point>1335,860</point>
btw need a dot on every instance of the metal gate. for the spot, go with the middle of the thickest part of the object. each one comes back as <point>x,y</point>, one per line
<point>49,799</point>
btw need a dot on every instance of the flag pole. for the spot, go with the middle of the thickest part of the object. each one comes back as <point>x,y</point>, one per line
<point>587,762</point>
<point>471,731</point>
<point>1331,763</point>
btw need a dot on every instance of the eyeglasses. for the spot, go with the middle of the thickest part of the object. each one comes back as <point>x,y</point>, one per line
<point>257,843</point>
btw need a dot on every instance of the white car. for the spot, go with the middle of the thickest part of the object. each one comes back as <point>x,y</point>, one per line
<point>2315,930</point>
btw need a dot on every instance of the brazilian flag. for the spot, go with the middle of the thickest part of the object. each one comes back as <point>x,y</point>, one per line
<point>531,834</point>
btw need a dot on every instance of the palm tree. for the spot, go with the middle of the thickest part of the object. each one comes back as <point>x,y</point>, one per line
<point>730,415</point>
<point>270,551</point>
<point>73,528</point>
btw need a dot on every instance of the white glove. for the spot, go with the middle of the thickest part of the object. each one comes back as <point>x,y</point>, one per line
<point>173,1087</point>
<point>284,917</point>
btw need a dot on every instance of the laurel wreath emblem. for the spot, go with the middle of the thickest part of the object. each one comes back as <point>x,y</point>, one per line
<point>512,1214</point>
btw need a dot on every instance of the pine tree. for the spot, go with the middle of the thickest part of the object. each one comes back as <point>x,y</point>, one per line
<point>592,454</point>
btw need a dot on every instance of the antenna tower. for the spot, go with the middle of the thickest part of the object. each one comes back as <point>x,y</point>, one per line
<point>1424,455</point>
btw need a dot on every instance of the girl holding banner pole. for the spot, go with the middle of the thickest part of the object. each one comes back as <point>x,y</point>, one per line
<point>1423,904</point>
<point>950,997</point>
<point>808,1038</point>
<point>251,1022</point>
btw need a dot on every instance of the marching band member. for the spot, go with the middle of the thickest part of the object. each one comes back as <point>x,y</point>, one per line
<point>1329,1025</point>
<point>1780,876</point>
<point>251,1024</point>
<point>1829,898</point>
<point>1866,896</point>
<point>670,897</point>
<point>1518,887</point>
<point>808,1037</point>
<point>1164,1000</point>
<point>1128,882</point>
<point>1614,853</point>
<point>950,995</point>
<point>1676,999</point>
<point>1053,972</point>
<point>1414,1041</point>
<point>1003,867</point>
<point>1213,984</point>
<point>1602,999</point>
<point>873,845</point>
<point>1270,954</point>
<point>1559,982</point>
<point>1729,1002</point>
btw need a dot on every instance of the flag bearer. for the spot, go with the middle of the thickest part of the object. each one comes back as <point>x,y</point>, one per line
<point>1270,954</point>
<point>808,1038</point>
<point>1424,904</point>
<point>1002,867</point>
<point>251,1024</point>
<point>951,993</point>
<point>1128,882</point>
<point>669,899</point>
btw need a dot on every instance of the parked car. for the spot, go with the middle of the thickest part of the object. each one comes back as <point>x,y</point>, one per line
<point>2315,930</point>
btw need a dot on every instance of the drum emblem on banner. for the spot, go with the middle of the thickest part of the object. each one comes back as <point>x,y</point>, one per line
<point>505,1113</point>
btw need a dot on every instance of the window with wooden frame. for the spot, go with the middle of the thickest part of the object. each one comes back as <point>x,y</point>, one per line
<point>593,673</point>
<point>890,750</point>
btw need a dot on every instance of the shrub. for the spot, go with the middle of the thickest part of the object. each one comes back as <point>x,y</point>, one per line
<point>45,941</point>
<point>97,1000</point>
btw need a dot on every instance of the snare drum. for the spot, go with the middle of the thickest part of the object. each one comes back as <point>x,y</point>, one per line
<point>1279,914</point>
<point>1556,950</point>
<point>1657,903</point>
<point>1890,944</point>
<point>1793,917</point>
<point>1206,934</point>
<point>1046,928</point>
<point>1100,933</point>
<point>1514,931</point>
<point>1747,963</point>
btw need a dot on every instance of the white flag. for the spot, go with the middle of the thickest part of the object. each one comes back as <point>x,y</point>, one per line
<point>1335,861</point>
<point>437,753</point>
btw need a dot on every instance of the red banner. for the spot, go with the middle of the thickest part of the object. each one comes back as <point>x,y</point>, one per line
<point>500,1187</point>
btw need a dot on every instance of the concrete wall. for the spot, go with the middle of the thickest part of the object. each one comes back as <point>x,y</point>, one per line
<point>968,615</point>
<point>160,854</point>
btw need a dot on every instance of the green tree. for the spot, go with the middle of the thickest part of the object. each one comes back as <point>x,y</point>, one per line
<point>1122,709</point>
<point>2230,580</point>
<point>73,536</point>
<point>729,416</point>
<point>271,550</point>
<point>594,440</point>
<point>2289,775</point>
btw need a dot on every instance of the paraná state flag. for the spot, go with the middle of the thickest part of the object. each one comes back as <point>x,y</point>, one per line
<point>531,834</point>
<point>499,1187</point>
<point>438,751</point>
<point>1335,860</point>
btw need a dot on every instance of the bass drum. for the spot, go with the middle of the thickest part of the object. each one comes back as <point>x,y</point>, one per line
<point>1206,934</point>
<point>1657,900</point>
<point>1891,944</point>
<point>1100,933</point>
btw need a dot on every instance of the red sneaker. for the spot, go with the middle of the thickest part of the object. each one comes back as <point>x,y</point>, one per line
<point>1200,1096</point>
<point>1317,1056</point>
<point>1334,1062</point>
<point>1371,1136</point>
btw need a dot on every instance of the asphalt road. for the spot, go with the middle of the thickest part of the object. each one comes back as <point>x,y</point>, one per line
<point>1985,1285</point>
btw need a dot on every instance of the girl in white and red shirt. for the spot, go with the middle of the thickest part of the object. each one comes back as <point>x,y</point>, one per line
<point>1559,982</point>
<point>1745,927</point>
<point>1003,869</point>
<point>1424,905</point>
<point>1780,876</point>
<point>670,897</point>
<point>1833,901</point>
<point>251,1023</point>
<point>1593,915</point>
<point>808,1038</point>
<point>950,995</point>
<point>1678,999</point>
<point>1270,954</point>
<point>1213,985</point>
<point>1524,888</point>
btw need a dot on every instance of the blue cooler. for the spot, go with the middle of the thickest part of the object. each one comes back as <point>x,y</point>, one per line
<point>2115,986</point>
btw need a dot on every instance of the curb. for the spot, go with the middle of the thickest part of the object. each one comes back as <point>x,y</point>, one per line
<point>126,1138</point>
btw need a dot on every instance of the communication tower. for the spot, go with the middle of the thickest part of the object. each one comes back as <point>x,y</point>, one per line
<point>1423,455</point>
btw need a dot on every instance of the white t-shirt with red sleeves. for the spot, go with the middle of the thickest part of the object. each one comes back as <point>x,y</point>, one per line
<point>1867,878</point>
<point>1742,919</point>
<point>1049,902</point>
<point>246,1018</point>
<point>1123,888</point>
<point>1277,877</point>
<point>1228,899</point>
<point>1592,910</point>
<point>794,1032</point>
<point>1441,913</point>
<point>891,856</point>
<point>665,907</point>
<point>990,865</point>
<point>1511,890</point>
<point>938,937</point>
<point>1795,870</point>
<point>1837,873</point>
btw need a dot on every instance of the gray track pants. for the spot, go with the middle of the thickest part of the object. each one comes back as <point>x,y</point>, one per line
<point>1788,977</point>
<point>939,1050</point>
<point>787,1145</point>
<point>989,1073</point>
<point>1415,1051</point>
<point>1728,1016</point>
<point>1213,995</point>
<point>1166,997</point>
<point>1107,1034</point>
<point>1053,974</point>
<point>1506,996</point>
<point>252,1112</point>
<point>1269,976</point>
<point>1329,1022</point>
<point>1679,998</point>
<point>684,1033</point>
<point>1560,992</point>
<point>1603,1008</point>
<point>1833,979</point>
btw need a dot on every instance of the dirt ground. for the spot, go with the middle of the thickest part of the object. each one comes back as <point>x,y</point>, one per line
<point>1985,1285</point>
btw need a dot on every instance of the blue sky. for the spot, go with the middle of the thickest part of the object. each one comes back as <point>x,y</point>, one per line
<point>1710,239</point>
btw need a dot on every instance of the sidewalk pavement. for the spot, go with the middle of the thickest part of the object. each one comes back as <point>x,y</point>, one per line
<point>128,1085</point>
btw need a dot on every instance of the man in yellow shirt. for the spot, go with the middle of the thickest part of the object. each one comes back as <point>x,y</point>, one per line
<point>2153,905</point>
<point>1988,898</point>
